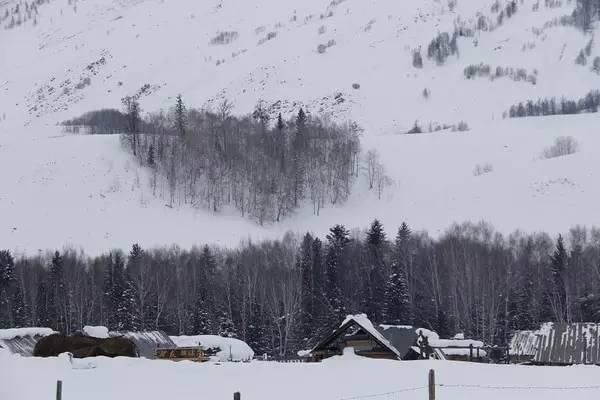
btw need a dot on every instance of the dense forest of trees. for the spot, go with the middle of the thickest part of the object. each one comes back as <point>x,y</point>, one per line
<point>282,295</point>
<point>263,168</point>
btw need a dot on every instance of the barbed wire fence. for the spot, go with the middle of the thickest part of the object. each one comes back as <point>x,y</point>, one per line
<point>431,387</point>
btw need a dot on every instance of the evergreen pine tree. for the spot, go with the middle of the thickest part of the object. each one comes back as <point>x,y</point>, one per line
<point>200,317</point>
<point>226,325</point>
<point>19,308</point>
<point>559,261</point>
<point>42,299</point>
<point>180,117</point>
<point>257,335</point>
<point>150,157</point>
<point>305,264</point>
<point>317,290</point>
<point>338,239</point>
<point>376,242</point>
<point>281,142</point>
<point>301,121</point>
<point>397,304</point>
<point>7,284</point>
<point>442,327</point>
<point>119,296</point>
<point>56,293</point>
<point>299,148</point>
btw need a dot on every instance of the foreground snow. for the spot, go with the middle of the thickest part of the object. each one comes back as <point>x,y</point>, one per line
<point>334,379</point>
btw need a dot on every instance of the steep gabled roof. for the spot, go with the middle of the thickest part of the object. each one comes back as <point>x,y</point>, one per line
<point>361,321</point>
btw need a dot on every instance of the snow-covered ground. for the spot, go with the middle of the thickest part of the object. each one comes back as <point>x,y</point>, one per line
<point>83,191</point>
<point>335,379</point>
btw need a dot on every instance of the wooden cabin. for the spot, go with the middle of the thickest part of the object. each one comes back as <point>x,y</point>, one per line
<point>393,342</point>
<point>182,353</point>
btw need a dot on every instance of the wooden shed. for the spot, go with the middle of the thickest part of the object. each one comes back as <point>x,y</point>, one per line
<point>558,344</point>
<point>566,344</point>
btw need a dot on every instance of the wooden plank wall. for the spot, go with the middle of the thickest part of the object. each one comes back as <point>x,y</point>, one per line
<point>577,343</point>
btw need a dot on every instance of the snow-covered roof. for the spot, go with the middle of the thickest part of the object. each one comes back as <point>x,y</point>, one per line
<point>96,331</point>
<point>231,349</point>
<point>367,325</point>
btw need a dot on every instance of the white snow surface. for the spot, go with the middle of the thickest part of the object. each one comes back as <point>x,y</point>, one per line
<point>231,349</point>
<point>336,378</point>
<point>11,333</point>
<point>86,192</point>
<point>96,331</point>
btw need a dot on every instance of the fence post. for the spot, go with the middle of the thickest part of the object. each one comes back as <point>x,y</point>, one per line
<point>431,384</point>
<point>237,396</point>
<point>58,390</point>
<point>471,352</point>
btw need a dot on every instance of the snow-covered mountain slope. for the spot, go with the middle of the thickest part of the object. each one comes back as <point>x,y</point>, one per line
<point>74,56</point>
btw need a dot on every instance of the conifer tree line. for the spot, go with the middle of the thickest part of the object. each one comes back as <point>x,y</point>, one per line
<point>284,295</point>
<point>532,108</point>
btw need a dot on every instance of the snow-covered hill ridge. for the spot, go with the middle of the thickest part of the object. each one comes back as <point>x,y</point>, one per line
<point>352,59</point>
<point>83,55</point>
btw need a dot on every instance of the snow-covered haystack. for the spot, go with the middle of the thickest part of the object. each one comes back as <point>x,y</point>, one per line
<point>13,333</point>
<point>227,349</point>
<point>22,340</point>
<point>100,332</point>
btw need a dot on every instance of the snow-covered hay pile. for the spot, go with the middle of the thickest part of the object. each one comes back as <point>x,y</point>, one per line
<point>100,332</point>
<point>146,341</point>
<point>21,340</point>
<point>227,349</point>
<point>12,333</point>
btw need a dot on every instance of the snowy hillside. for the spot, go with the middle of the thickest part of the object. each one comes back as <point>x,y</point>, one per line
<point>352,59</point>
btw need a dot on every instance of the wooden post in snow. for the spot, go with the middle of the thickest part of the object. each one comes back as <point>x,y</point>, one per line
<point>431,384</point>
<point>237,396</point>
<point>58,390</point>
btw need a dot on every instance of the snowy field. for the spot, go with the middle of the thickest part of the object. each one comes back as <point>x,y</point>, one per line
<point>86,192</point>
<point>334,379</point>
<point>98,198</point>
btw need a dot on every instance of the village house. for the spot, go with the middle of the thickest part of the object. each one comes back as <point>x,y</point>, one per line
<point>393,342</point>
